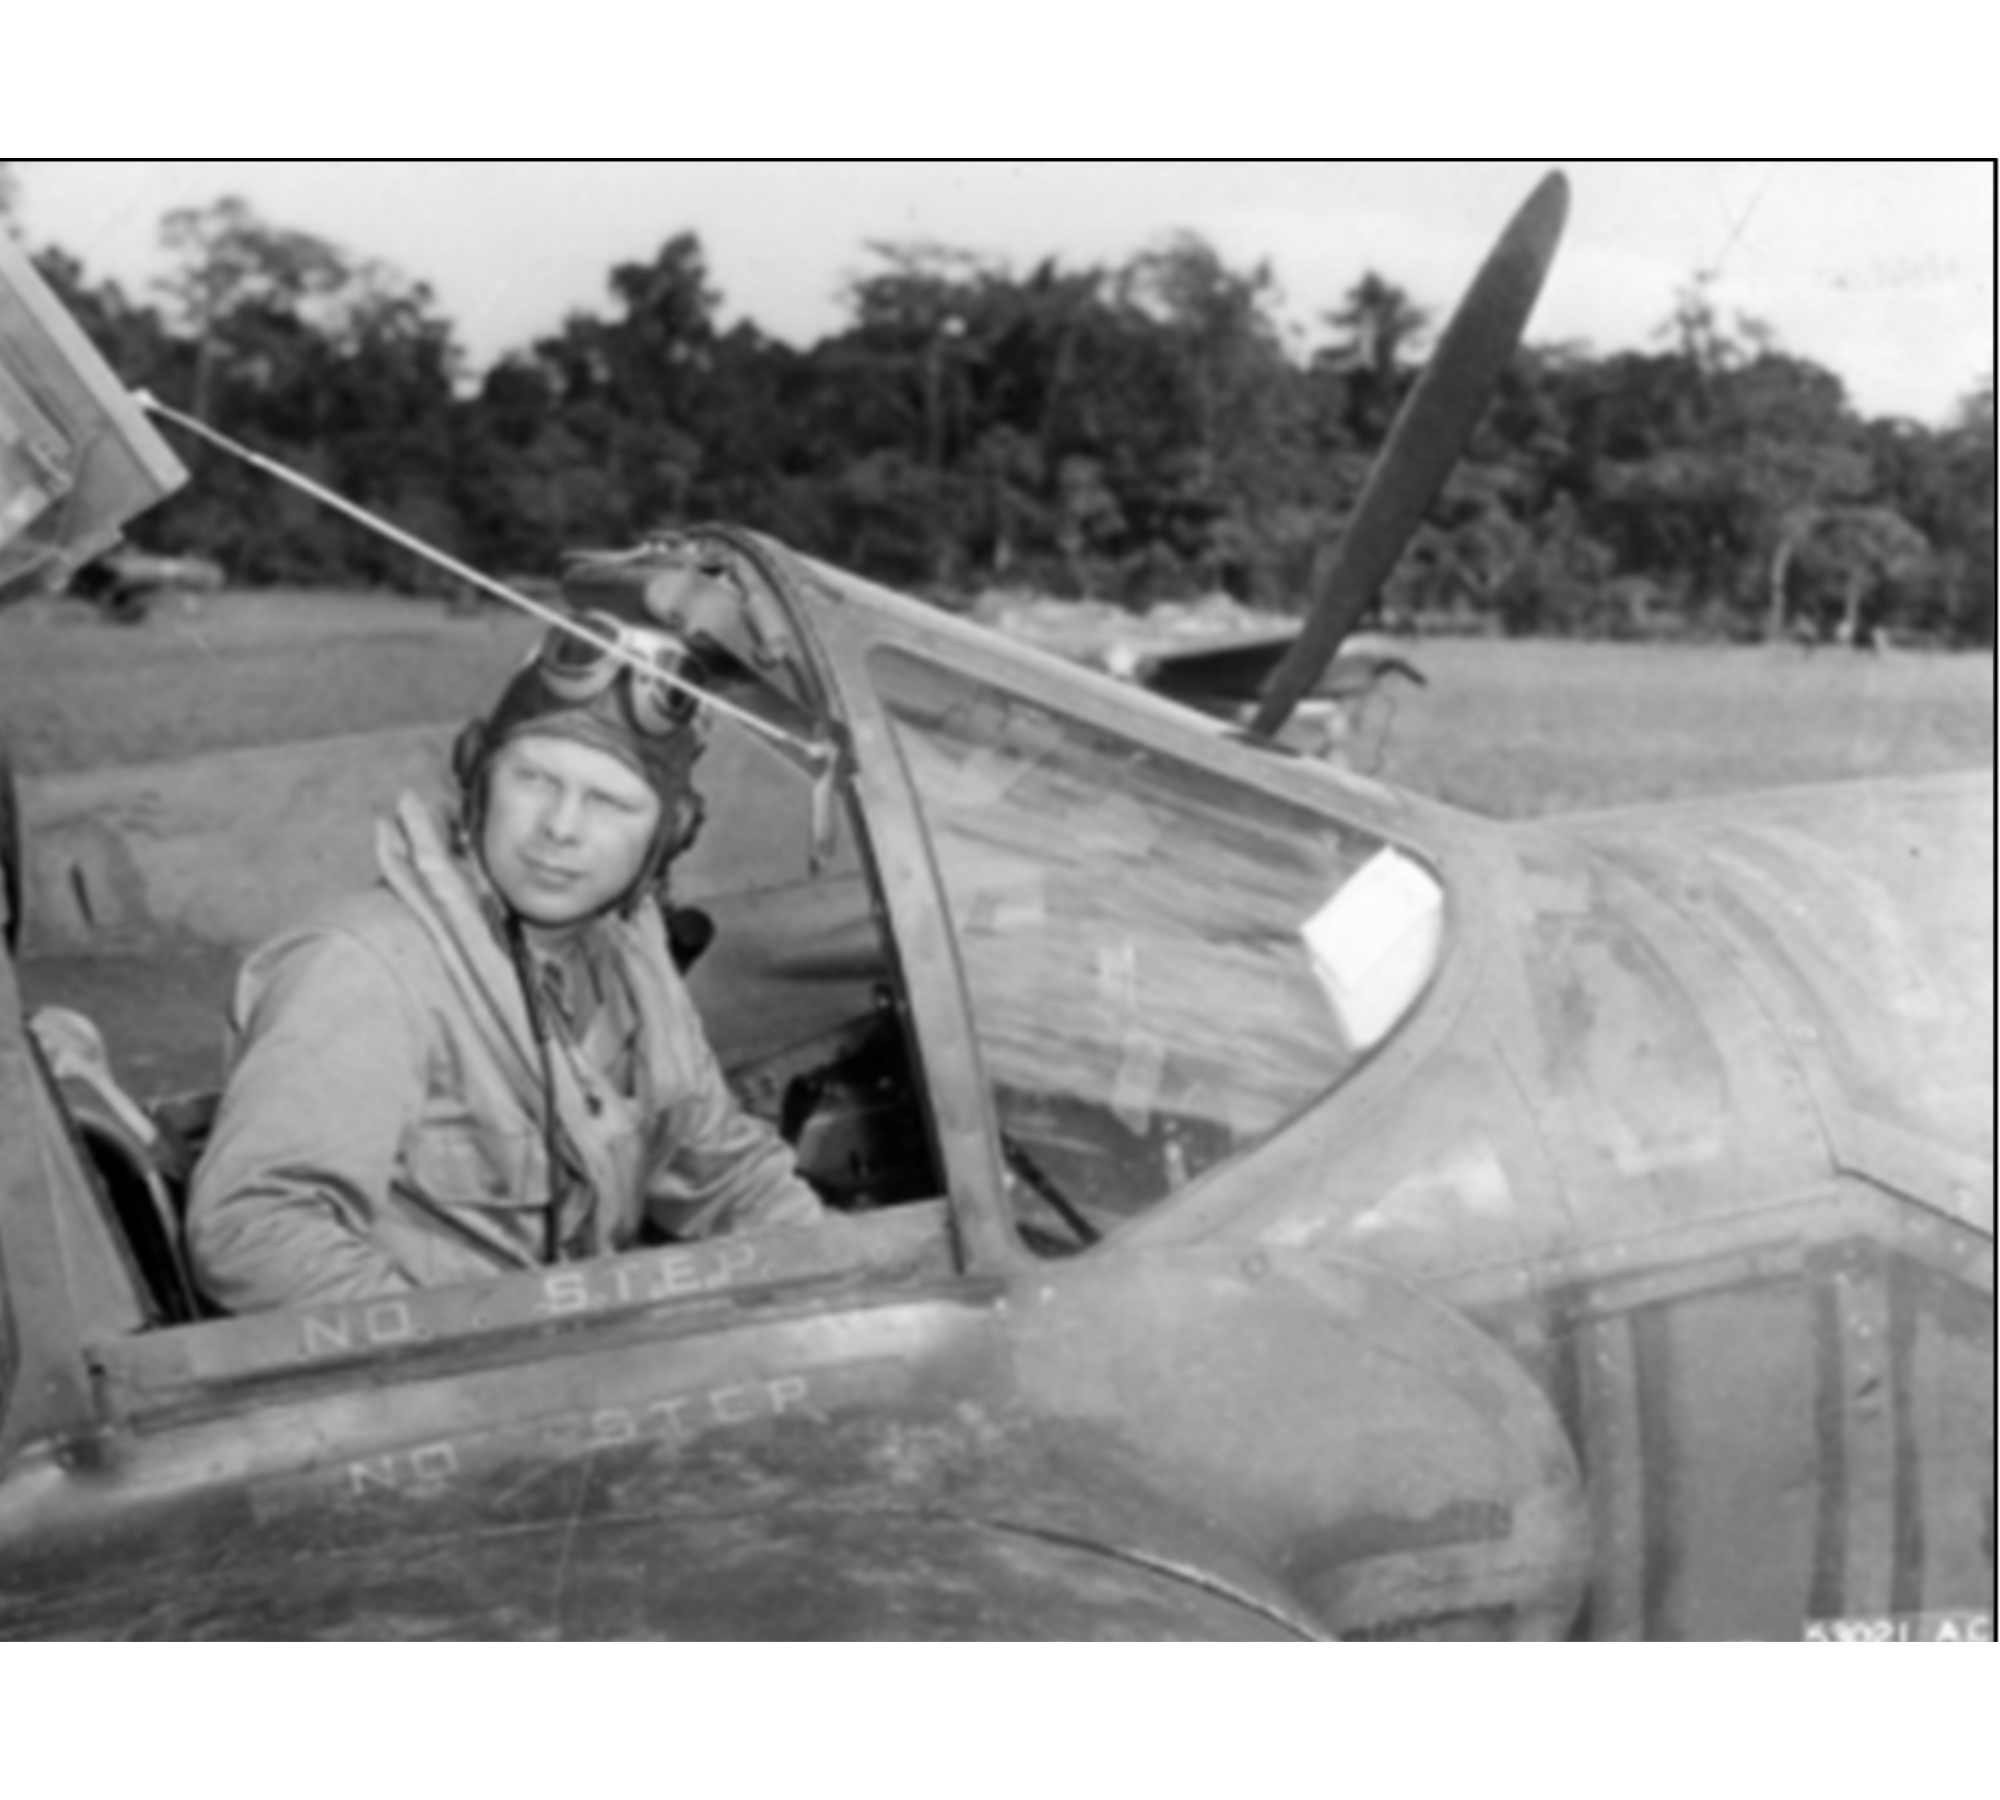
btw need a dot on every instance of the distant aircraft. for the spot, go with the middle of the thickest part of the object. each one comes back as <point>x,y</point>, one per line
<point>1273,1204</point>
<point>1213,655</point>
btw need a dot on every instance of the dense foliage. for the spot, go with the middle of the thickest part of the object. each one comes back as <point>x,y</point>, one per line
<point>1130,432</point>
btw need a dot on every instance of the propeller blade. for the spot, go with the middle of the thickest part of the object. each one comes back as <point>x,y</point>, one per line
<point>1424,445</point>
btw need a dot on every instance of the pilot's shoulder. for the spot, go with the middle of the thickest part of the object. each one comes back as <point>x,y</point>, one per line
<point>366,942</point>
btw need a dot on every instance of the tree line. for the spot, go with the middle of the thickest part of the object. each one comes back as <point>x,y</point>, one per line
<point>1145,430</point>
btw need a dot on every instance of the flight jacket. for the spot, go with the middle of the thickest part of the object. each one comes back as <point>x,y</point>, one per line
<point>382,1126</point>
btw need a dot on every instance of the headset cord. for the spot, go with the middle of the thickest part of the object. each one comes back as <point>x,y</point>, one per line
<point>538,1023</point>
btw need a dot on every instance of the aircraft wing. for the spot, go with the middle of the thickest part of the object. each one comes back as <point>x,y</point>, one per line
<point>1223,676</point>
<point>1214,656</point>
<point>1227,672</point>
<point>1868,928</point>
<point>673,1567</point>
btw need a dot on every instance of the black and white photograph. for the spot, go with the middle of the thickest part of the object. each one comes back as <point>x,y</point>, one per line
<point>1013,902</point>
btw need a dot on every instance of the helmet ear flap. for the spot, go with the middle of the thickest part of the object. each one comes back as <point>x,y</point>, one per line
<point>468,769</point>
<point>468,751</point>
<point>680,823</point>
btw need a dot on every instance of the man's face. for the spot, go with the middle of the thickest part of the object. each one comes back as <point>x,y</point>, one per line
<point>567,829</point>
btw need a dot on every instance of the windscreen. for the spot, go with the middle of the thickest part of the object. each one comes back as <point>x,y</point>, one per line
<point>1164,963</point>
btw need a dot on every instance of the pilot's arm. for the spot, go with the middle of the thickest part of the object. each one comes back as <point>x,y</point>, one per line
<point>713,1167</point>
<point>328,1076</point>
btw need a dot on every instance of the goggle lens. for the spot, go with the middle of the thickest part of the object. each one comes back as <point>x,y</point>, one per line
<point>582,654</point>
<point>658,707</point>
<point>579,664</point>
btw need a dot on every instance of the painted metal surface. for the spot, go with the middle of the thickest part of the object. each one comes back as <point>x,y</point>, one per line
<point>1866,932</point>
<point>77,456</point>
<point>1186,1444</point>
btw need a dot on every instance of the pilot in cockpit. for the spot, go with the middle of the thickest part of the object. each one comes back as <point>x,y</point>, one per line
<point>488,1061</point>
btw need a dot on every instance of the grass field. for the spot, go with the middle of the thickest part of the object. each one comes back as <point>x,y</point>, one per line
<point>1517,729</point>
<point>1511,729</point>
<point>1508,729</point>
<point>236,670</point>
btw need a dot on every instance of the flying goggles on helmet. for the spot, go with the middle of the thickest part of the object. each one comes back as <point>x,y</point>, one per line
<point>586,657</point>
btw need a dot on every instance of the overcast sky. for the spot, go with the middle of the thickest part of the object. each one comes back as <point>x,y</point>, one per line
<point>1881,271</point>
